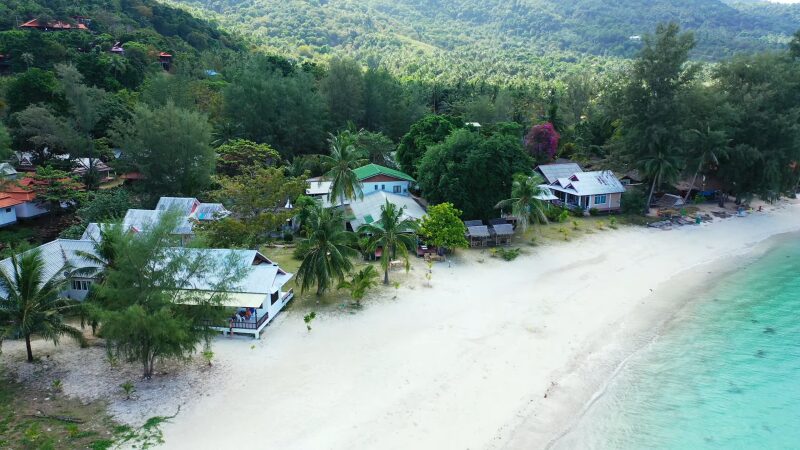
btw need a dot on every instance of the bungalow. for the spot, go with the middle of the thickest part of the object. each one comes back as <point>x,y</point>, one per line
<point>379,178</point>
<point>7,172</point>
<point>259,290</point>
<point>165,59</point>
<point>20,195</point>
<point>367,210</point>
<point>573,187</point>
<point>83,165</point>
<point>56,25</point>
<point>373,178</point>
<point>193,208</point>
<point>8,212</point>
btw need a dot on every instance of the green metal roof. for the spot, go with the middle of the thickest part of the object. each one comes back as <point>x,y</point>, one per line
<point>371,170</point>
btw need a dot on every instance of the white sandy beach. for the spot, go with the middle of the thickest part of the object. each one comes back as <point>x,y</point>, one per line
<point>463,364</point>
<point>466,363</point>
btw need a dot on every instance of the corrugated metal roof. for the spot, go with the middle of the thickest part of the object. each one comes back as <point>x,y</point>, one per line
<point>185,205</point>
<point>57,256</point>
<point>552,172</point>
<point>589,183</point>
<point>473,223</point>
<point>503,229</point>
<point>263,278</point>
<point>210,211</point>
<point>369,207</point>
<point>371,170</point>
<point>317,186</point>
<point>141,219</point>
<point>478,231</point>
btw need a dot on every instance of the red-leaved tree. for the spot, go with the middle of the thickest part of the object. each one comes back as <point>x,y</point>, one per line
<point>542,141</point>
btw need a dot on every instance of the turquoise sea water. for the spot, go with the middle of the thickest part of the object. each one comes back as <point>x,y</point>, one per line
<point>724,375</point>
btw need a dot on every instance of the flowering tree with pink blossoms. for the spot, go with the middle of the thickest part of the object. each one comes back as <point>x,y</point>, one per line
<point>542,141</point>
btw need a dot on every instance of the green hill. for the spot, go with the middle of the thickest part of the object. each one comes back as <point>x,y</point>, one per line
<point>496,38</point>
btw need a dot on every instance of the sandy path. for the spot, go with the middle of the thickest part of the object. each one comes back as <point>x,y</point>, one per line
<point>466,363</point>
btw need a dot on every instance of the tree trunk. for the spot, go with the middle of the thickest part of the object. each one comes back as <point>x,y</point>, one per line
<point>386,276</point>
<point>28,347</point>
<point>694,179</point>
<point>650,197</point>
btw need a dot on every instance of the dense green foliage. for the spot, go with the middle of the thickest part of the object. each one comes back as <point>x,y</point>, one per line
<point>495,39</point>
<point>442,227</point>
<point>393,233</point>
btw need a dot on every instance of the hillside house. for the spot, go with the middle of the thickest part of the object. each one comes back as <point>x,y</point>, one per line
<point>54,25</point>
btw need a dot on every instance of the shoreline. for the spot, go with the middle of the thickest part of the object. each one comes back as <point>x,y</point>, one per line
<point>696,282</point>
<point>464,363</point>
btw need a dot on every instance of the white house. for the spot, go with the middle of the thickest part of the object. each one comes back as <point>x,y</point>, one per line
<point>19,195</point>
<point>372,177</point>
<point>599,190</point>
<point>260,290</point>
<point>367,210</point>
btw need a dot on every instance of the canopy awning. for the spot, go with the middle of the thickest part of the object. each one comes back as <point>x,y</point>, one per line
<point>229,299</point>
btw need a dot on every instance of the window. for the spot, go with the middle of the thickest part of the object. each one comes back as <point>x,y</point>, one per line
<point>376,187</point>
<point>600,199</point>
<point>8,209</point>
<point>396,189</point>
<point>383,187</point>
<point>274,297</point>
<point>81,285</point>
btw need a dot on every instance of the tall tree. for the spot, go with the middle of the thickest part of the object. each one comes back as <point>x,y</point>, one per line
<point>394,233</point>
<point>238,154</point>
<point>377,147</point>
<point>284,110</point>
<point>56,189</point>
<point>156,300</point>
<point>428,131</point>
<point>345,157</point>
<point>660,166</point>
<point>343,89</point>
<point>170,147</point>
<point>710,145</point>
<point>660,73</point>
<point>525,202</point>
<point>32,305</point>
<point>328,249</point>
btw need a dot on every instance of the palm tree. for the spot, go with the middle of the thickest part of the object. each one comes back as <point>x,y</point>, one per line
<point>713,145</point>
<point>362,281</point>
<point>525,202</point>
<point>345,157</point>
<point>28,59</point>
<point>117,65</point>
<point>33,305</point>
<point>328,249</point>
<point>392,232</point>
<point>661,166</point>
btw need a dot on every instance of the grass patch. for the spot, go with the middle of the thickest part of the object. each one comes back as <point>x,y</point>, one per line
<point>23,427</point>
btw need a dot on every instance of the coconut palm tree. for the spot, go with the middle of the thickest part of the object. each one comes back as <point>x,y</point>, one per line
<point>393,233</point>
<point>362,281</point>
<point>661,166</point>
<point>33,305</point>
<point>345,157</point>
<point>328,248</point>
<point>525,201</point>
<point>712,146</point>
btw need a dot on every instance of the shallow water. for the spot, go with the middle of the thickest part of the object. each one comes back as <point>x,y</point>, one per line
<point>725,374</point>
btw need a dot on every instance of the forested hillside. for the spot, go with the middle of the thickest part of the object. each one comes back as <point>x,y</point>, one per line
<point>497,39</point>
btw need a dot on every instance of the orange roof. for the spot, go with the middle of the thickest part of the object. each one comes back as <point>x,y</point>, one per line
<point>8,201</point>
<point>165,55</point>
<point>19,190</point>
<point>56,25</point>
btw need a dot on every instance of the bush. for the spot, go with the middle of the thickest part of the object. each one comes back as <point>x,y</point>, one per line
<point>633,201</point>
<point>594,212</point>
<point>508,254</point>
<point>288,237</point>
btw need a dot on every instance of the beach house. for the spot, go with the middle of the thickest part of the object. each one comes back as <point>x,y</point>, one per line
<point>372,177</point>
<point>259,290</point>
<point>598,190</point>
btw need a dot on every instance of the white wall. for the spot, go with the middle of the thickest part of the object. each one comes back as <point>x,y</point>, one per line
<point>387,186</point>
<point>8,216</point>
<point>29,209</point>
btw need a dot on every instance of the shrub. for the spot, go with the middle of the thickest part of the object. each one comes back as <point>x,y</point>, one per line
<point>128,388</point>
<point>508,254</point>
<point>288,237</point>
<point>612,222</point>
<point>633,201</point>
<point>594,212</point>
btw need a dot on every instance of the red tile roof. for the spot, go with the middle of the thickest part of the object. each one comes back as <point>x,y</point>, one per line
<point>55,25</point>
<point>7,201</point>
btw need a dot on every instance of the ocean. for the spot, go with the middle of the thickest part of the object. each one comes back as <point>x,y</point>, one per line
<point>724,374</point>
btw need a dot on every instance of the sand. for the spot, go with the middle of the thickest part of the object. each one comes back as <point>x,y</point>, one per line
<point>467,362</point>
<point>493,355</point>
